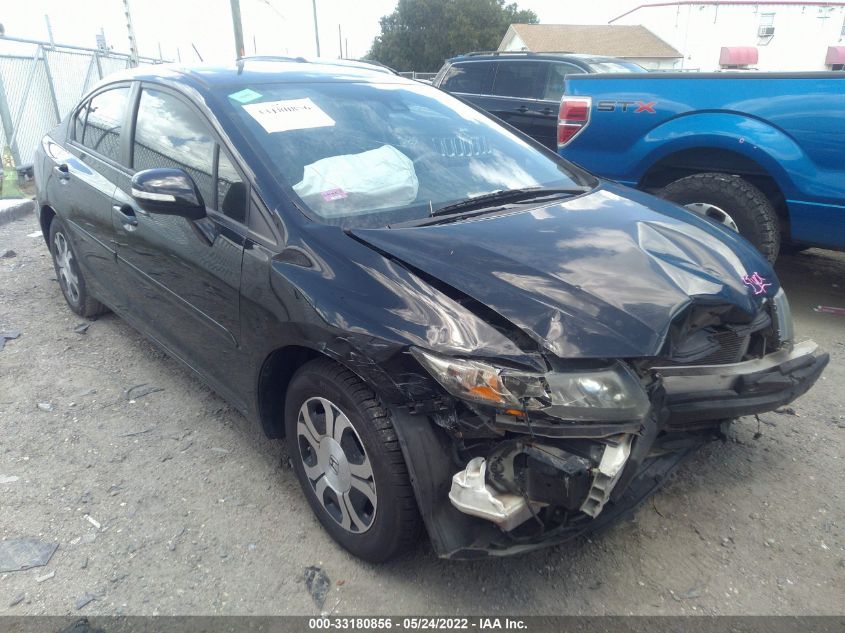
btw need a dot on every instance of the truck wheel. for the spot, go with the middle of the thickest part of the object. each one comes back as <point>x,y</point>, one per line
<point>348,461</point>
<point>733,202</point>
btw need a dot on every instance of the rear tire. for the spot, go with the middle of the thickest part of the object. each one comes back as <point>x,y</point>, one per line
<point>70,277</point>
<point>348,461</point>
<point>743,203</point>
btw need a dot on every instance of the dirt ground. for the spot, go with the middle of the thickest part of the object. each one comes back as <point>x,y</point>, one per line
<point>198,513</point>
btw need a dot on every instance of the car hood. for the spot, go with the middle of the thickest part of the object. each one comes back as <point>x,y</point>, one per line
<point>602,275</point>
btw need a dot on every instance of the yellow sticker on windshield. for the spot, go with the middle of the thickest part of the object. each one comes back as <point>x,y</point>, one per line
<point>289,114</point>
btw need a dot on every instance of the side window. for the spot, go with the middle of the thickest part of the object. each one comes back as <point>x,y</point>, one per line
<point>103,123</point>
<point>518,79</point>
<point>231,191</point>
<point>470,78</point>
<point>169,134</point>
<point>554,82</point>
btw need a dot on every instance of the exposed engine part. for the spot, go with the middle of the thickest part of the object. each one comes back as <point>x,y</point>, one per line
<point>562,482</point>
<point>609,470</point>
<point>722,343</point>
<point>545,473</point>
<point>471,494</point>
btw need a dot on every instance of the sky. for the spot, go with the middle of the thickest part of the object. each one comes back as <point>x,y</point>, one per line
<point>271,27</point>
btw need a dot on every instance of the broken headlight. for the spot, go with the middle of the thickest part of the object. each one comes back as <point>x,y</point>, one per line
<point>606,394</point>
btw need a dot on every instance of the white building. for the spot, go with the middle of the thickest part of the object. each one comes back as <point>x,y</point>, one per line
<point>785,36</point>
<point>634,43</point>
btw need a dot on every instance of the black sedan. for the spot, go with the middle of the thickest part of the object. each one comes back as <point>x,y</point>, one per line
<point>450,325</point>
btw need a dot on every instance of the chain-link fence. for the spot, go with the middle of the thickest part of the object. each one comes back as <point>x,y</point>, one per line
<point>40,83</point>
<point>412,74</point>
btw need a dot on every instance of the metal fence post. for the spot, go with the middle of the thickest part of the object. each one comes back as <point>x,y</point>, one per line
<point>87,75</point>
<point>8,128</point>
<point>51,87</point>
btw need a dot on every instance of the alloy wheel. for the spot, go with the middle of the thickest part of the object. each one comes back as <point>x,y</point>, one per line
<point>66,266</point>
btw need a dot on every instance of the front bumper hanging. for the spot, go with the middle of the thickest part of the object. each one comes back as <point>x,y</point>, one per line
<point>714,392</point>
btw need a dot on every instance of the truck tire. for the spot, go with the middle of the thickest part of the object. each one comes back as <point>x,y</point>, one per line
<point>347,458</point>
<point>733,202</point>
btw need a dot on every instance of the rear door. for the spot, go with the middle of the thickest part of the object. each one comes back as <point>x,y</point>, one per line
<point>515,93</point>
<point>82,182</point>
<point>548,106</point>
<point>184,276</point>
<point>471,80</point>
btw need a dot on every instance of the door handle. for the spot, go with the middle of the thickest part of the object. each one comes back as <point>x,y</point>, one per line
<point>62,171</point>
<point>127,215</point>
<point>547,111</point>
<point>522,109</point>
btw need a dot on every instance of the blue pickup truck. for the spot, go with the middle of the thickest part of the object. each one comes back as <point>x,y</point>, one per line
<point>763,153</point>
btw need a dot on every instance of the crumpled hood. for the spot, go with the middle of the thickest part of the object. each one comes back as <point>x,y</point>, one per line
<point>601,275</point>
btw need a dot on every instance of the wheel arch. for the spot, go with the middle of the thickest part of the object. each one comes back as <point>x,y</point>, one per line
<point>697,160</point>
<point>275,375</point>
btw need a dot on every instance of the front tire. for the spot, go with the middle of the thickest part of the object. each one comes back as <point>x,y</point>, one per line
<point>733,202</point>
<point>70,277</point>
<point>348,461</point>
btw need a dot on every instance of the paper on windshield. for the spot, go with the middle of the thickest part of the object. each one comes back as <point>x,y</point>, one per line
<point>359,183</point>
<point>288,114</point>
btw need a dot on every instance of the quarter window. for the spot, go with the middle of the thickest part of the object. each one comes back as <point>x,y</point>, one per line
<point>517,79</point>
<point>104,122</point>
<point>555,80</point>
<point>231,191</point>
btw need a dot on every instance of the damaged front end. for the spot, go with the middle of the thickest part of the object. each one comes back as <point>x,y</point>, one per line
<point>635,330</point>
<point>516,460</point>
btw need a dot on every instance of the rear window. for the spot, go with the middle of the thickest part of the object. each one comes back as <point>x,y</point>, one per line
<point>617,67</point>
<point>371,154</point>
<point>470,78</point>
<point>518,79</point>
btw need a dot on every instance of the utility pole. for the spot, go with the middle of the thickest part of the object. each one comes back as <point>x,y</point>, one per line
<point>133,45</point>
<point>239,30</point>
<point>340,41</point>
<point>316,30</point>
<point>49,29</point>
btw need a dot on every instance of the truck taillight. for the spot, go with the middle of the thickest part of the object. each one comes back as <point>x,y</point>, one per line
<point>573,117</point>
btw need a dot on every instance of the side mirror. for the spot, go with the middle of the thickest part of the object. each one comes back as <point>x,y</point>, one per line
<point>169,192</point>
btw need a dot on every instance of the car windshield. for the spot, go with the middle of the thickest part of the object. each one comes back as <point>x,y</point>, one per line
<point>617,67</point>
<point>374,154</point>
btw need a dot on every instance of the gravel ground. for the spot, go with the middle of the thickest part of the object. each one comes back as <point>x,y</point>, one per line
<point>198,513</point>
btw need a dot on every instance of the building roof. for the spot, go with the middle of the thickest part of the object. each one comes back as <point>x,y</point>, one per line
<point>728,3</point>
<point>597,39</point>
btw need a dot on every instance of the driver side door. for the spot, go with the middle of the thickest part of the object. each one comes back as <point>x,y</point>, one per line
<point>183,276</point>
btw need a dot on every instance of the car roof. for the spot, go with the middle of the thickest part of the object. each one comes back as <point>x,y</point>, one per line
<point>489,55</point>
<point>258,70</point>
